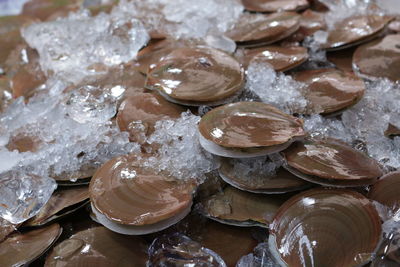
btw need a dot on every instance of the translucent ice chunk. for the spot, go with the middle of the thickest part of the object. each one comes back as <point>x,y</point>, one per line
<point>22,195</point>
<point>261,257</point>
<point>179,250</point>
<point>180,153</point>
<point>70,46</point>
<point>275,88</point>
<point>11,7</point>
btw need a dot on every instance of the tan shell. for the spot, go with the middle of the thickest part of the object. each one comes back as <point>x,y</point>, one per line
<point>195,76</point>
<point>257,181</point>
<point>330,90</point>
<point>330,162</point>
<point>232,206</point>
<point>380,58</point>
<point>99,247</point>
<point>20,249</point>
<point>126,194</point>
<point>327,228</point>
<point>248,125</point>
<point>61,203</point>
<point>145,109</point>
<point>355,30</point>
<point>343,59</point>
<point>6,228</point>
<point>280,58</point>
<point>258,29</point>
<point>386,190</point>
<point>274,5</point>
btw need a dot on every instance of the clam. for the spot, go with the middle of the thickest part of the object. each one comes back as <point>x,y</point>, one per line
<point>61,203</point>
<point>138,114</point>
<point>332,163</point>
<point>259,29</point>
<point>240,208</point>
<point>274,5</point>
<point>256,175</point>
<point>8,42</point>
<point>179,250</point>
<point>310,22</point>
<point>330,90</point>
<point>6,228</point>
<point>343,59</point>
<point>196,76</point>
<point>322,227</point>
<point>131,199</point>
<point>280,58</point>
<point>394,26</point>
<point>380,58</point>
<point>355,30</point>
<point>99,246</point>
<point>47,9</point>
<point>392,130</point>
<point>248,129</point>
<point>20,249</point>
<point>386,190</point>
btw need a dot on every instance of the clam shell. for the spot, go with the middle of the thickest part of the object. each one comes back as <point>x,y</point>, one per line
<point>280,58</point>
<point>330,90</point>
<point>21,249</point>
<point>392,130</point>
<point>240,208</point>
<point>99,247</point>
<point>332,163</point>
<point>386,190</point>
<point>130,199</point>
<point>343,59</point>
<point>6,228</point>
<point>394,26</point>
<point>259,181</point>
<point>355,30</point>
<point>146,108</point>
<point>8,42</point>
<point>380,58</point>
<point>196,75</point>
<point>246,129</point>
<point>323,227</point>
<point>258,29</point>
<point>47,9</point>
<point>274,5</point>
<point>61,203</point>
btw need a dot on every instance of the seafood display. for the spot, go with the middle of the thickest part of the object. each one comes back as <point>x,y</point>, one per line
<point>200,133</point>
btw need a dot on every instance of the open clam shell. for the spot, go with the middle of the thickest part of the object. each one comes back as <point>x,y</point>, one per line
<point>248,129</point>
<point>196,76</point>
<point>355,30</point>
<point>99,246</point>
<point>322,227</point>
<point>240,208</point>
<point>386,190</point>
<point>330,90</point>
<point>274,5</point>
<point>131,199</point>
<point>61,203</point>
<point>138,114</point>
<point>21,249</point>
<point>253,175</point>
<point>310,22</point>
<point>332,163</point>
<point>380,58</point>
<point>280,58</point>
<point>259,29</point>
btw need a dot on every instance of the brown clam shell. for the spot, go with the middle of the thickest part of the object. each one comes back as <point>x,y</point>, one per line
<point>380,58</point>
<point>45,9</point>
<point>148,108</point>
<point>257,182</point>
<point>258,29</point>
<point>392,130</point>
<point>248,125</point>
<point>194,76</point>
<point>61,203</point>
<point>355,30</point>
<point>236,207</point>
<point>343,59</point>
<point>330,90</point>
<point>323,227</point>
<point>20,249</point>
<point>274,5</point>
<point>6,228</point>
<point>280,58</point>
<point>100,247</point>
<point>127,194</point>
<point>386,190</point>
<point>330,162</point>
<point>8,42</point>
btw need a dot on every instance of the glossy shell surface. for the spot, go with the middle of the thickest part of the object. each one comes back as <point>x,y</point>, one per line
<point>386,190</point>
<point>274,5</point>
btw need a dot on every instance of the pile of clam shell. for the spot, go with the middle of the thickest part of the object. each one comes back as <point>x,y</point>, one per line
<point>312,200</point>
